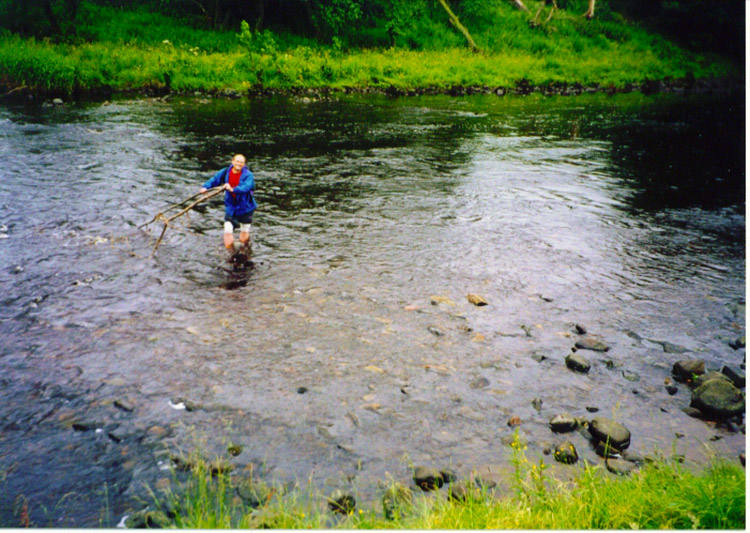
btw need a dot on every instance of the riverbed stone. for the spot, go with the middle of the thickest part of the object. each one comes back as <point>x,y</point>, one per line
<point>580,329</point>
<point>708,376</point>
<point>536,403</point>
<point>718,398</point>
<point>608,431</point>
<point>341,502</point>
<point>514,421</point>
<point>479,383</point>
<point>58,101</point>
<point>577,363</point>
<point>476,299</point>
<point>252,493</point>
<point>566,453</point>
<point>427,478</point>
<point>620,467</point>
<point>563,423</point>
<point>590,342</point>
<point>735,374</point>
<point>437,300</point>
<point>738,343</point>
<point>687,368</point>
<point>449,476</point>
<point>630,376</point>
<point>462,493</point>
<point>125,404</point>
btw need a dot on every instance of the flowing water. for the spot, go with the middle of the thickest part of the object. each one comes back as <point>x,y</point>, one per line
<point>324,359</point>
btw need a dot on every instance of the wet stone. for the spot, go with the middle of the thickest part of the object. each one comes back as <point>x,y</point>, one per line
<point>738,343</point>
<point>708,376</point>
<point>581,330</point>
<point>125,405</point>
<point>671,389</point>
<point>301,390</point>
<point>577,363</point>
<point>735,374</point>
<point>477,300</point>
<point>479,383</point>
<point>592,409</point>
<point>718,398</point>
<point>692,412</point>
<point>685,370</point>
<point>591,343</point>
<point>566,453</point>
<point>630,376</point>
<point>435,331</point>
<point>462,493</point>
<point>536,403</point>
<point>427,478</point>
<point>606,430</point>
<point>563,423</point>
<point>514,421</point>
<point>620,467</point>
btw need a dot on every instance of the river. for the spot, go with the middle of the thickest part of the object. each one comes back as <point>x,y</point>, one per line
<point>325,359</point>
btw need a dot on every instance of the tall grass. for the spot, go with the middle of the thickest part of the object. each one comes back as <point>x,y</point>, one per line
<point>662,495</point>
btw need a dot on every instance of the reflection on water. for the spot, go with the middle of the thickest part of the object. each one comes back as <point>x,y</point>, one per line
<point>625,214</point>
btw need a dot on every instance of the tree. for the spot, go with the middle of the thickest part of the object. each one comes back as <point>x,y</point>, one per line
<point>457,23</point>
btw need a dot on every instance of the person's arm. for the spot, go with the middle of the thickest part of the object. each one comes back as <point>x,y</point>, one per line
<point>213,182</point>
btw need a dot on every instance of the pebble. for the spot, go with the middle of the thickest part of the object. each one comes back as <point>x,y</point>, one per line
<point>577,363</point>
<point>477,300</point>
<point>514,421</point>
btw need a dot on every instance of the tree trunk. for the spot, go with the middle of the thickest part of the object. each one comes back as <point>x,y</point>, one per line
<point>589,14</point>
<point>520,5</point>
<point>457,23</point>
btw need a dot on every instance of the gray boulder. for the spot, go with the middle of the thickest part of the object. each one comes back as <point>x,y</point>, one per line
<point>718,398</point>
<point>609,432</point>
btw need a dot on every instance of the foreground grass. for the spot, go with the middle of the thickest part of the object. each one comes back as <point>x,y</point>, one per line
<point>119,54</point>
<point>661,495</point>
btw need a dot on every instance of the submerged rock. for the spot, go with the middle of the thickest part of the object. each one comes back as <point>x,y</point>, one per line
<point>479,383</point>
<point>688,368</point>
<point>577,363</point>
<point>147,519</point>
<point>536,403</point>
<point>718,398</point>
<point>610,432</point>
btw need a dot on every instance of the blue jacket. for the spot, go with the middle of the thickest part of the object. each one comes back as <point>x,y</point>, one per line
<point>242,201</point>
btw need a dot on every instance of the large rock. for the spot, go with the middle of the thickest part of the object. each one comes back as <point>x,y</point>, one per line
<point>688,368</point>
<point>608,431</point>
<point>718,398</point>
<point>620,467</point>
<point>577,363</point>
<point>700,380</point>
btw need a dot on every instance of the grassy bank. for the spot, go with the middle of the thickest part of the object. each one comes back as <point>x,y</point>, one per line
<point>126,50</point>
<point>662,494</point>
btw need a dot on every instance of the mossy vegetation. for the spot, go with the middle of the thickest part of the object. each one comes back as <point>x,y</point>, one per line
<point>121,49</point>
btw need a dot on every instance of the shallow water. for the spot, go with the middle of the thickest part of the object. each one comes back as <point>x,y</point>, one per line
<point>326,360</point>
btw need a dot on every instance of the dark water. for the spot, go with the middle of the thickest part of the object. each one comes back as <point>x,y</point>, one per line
<point>325,360</point>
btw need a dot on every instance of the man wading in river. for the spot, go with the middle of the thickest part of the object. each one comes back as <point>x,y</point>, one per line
<point>239,201</point>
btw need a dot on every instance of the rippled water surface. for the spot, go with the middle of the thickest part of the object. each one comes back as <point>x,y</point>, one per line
<point>325,358</point>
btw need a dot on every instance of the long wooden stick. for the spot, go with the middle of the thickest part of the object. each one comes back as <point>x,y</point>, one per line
<point>178,204</point>
<point>166,220</point>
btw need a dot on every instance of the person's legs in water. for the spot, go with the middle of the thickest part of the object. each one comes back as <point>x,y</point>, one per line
<point>228,237</point>
<point>245,235</point>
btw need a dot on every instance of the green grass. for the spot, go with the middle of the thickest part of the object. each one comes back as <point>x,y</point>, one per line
<point>660,495</point>
<point>137,49</point>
